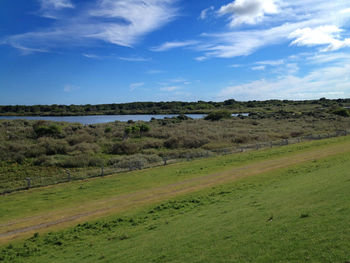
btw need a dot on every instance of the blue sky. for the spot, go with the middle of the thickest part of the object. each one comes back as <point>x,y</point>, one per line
<point>114,51</point>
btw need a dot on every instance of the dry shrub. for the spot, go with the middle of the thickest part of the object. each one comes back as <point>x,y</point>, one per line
<point>80,137</point>
<point>125,147</point>
<point>53,146</point>
<point>85,148</point>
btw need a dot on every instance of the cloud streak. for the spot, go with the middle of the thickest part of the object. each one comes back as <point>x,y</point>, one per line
<point>175,44</point>
<point>119,22</point>
<point>309,23</point>
<point>330,82</point>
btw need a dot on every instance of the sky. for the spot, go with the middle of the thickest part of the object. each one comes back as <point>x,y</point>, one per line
<point>117,51</point>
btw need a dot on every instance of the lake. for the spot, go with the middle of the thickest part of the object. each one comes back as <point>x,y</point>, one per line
<point>94,119</point>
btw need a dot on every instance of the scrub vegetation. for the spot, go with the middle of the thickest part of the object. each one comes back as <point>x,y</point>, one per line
<point>43,150</point>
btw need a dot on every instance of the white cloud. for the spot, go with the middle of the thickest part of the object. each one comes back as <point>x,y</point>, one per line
<point>56,4</point>
<point>235,66</point>
<point>328,35</point>
<point>154,71</point>
<point>121,22</point>
<point>70,88</point>
<point>248,11</point>
<point>92,56</point>
<point>257,68</point>
<point>170,88</point>
<point>338,58</point>
<point>201,58</point>
<point>136,85</point>
<point>330,82</point>
<point>133,21</point>
<point>282,19</point>
<point>49,8</point>
<point>178,80</point>
<point>134,59</point>
<point>271,62</point>
<point>175,44</point>
<point>204,14</point>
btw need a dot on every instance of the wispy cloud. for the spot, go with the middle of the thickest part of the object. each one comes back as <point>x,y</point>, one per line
<point>271,62</point>
<point>176,44</point>
<point>134,59</point>
<point>154,71</point>
<point>55,4</point>
<point>170,88</point>
<point>92,56</point>
<point>136,85</point>
<point>204,13</point>
<point>297,22</point>
<point>201,58</point>
<point>51,8</point>
<point>338,58</point>
<point>70,88</point>
<point>259,68</point>
<point>121,22</point>
<point>330,82</point>
<point>235,66</point>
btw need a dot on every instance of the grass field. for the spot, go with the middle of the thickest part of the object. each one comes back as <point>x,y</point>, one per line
<point>289,204</point>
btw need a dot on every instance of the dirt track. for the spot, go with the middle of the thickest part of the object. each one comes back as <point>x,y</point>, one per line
<point>67,217</point>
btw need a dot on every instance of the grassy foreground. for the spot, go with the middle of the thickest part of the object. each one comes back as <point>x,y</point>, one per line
<point>296,214</point>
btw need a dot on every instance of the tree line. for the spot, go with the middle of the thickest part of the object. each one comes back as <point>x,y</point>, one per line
<point>173,107</point>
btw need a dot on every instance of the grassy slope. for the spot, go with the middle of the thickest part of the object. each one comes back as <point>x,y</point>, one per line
<point>70,195</point>
<point>299,214</point>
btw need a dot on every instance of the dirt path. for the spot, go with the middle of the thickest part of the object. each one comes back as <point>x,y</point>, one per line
<point>67,217</point>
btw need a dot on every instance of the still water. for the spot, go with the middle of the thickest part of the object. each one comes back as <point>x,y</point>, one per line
<point>94,119</point>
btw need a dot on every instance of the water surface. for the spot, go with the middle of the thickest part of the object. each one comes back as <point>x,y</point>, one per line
<point>94,119</point>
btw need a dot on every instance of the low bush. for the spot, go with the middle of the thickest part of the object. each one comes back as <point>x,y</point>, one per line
<point>136,161</point>
<point>53,146</point>
<point>81,160</point>
<point>47,130</point>
<point>125,147</point>
<point>342,112</point>
<point>218,115</point>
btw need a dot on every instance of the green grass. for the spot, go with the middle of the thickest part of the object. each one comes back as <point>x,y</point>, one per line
<point>69,195</point>
<point>298,214</point>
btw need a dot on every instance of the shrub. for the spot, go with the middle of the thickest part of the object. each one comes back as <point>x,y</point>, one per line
<point>218,115</point>
<point>185,142</point>
<point>53,146</point>
<point>43,161</point>
<point>342,112</point>
<point>86,148</point>
<point>136,161</point>
<point>80,137</point>
<point>81,160</point>
<point>173,143</point>
<point>43,130</point>
<point>137,130</point>
<point>124,147</point>
<point>296,134</point>
<point>194,142</point>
